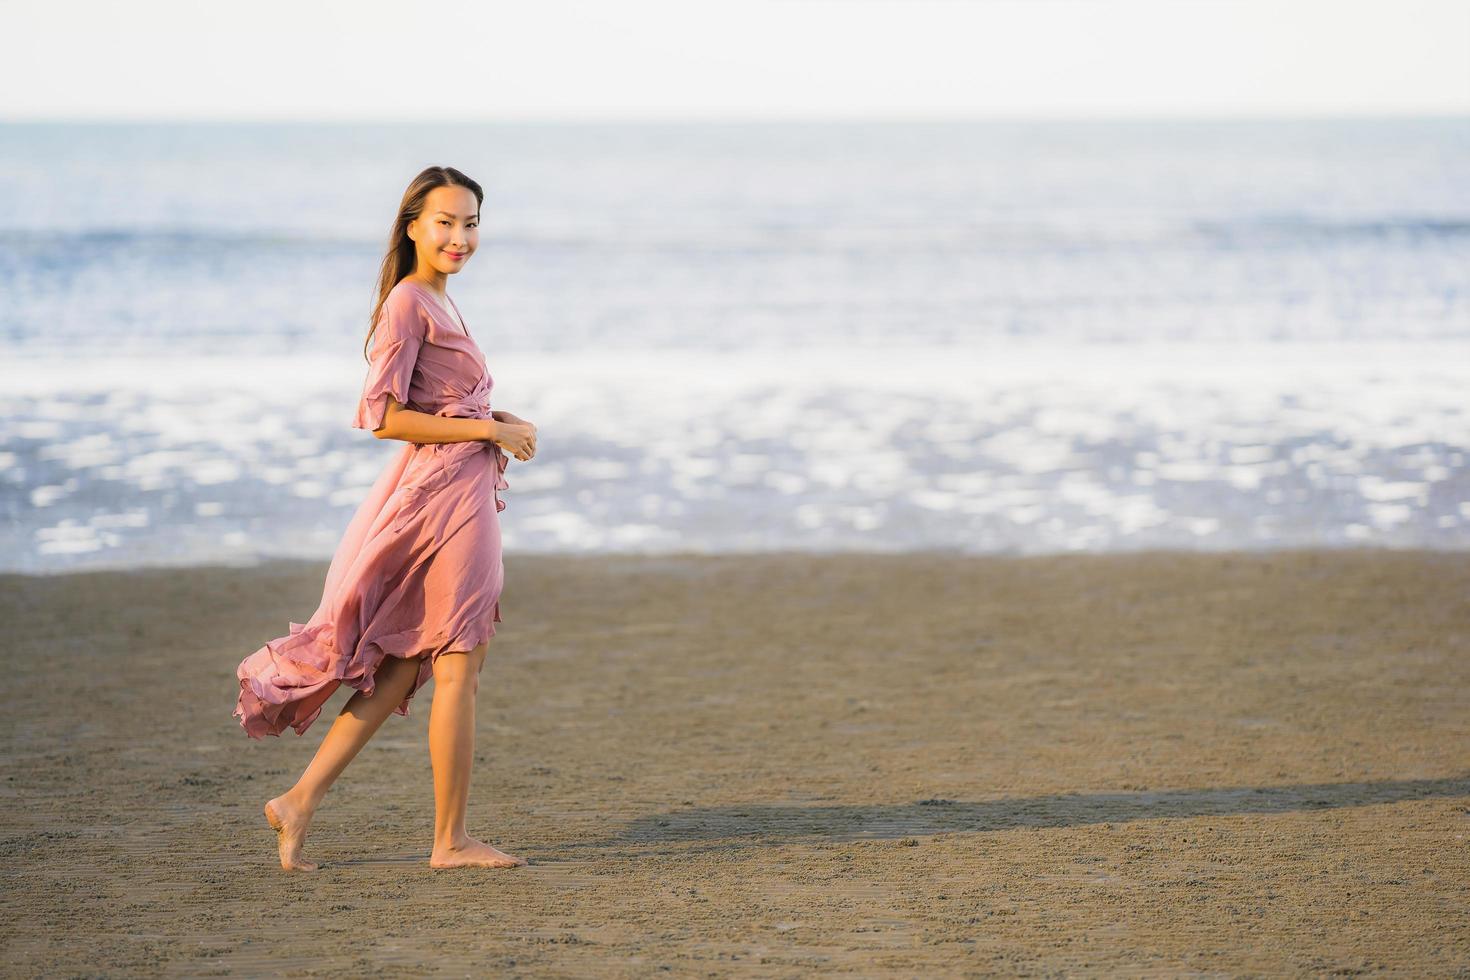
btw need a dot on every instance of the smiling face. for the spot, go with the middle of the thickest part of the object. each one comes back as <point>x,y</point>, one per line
<point>447,232</point>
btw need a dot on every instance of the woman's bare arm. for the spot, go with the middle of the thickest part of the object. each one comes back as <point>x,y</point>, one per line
<point>421,427</point>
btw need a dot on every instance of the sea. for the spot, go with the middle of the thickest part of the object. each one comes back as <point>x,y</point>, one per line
<point>973,336</point>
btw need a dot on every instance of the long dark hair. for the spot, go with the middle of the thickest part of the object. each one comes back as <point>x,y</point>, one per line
<point>402,255</point>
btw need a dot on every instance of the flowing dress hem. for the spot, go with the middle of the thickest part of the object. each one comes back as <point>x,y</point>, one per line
<point>297,702</point>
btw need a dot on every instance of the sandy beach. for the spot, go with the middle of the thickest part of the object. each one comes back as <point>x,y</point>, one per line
<point>775,765</point>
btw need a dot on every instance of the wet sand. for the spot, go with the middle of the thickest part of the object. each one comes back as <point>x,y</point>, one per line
<point>775,765</point>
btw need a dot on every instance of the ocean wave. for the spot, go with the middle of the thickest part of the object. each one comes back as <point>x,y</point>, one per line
<point>1081,230</point>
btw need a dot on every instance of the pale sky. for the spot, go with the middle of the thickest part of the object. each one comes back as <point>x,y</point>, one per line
<point>721,59</point>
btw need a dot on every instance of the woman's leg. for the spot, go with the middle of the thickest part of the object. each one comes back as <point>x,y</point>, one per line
<point>452,750</point>
<point>290,813</point>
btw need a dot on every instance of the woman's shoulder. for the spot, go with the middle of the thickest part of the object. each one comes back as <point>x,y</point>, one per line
<point>403,308</point>
<point>404,291</point>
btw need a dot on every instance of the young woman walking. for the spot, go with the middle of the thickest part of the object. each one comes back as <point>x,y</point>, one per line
<point>414,587</point>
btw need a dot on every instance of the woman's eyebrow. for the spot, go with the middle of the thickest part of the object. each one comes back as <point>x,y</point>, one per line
<point>450,215</point>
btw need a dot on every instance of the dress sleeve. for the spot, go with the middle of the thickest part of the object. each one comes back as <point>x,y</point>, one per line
<point>395,349</point>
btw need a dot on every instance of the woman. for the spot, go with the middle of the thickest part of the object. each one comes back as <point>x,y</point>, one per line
<point>414,587</point>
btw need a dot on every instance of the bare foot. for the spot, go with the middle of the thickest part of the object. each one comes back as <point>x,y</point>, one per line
<point>290,825</point>
<point>471,853</point>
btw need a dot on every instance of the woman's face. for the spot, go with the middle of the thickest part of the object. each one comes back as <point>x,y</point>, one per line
<point>447,232</point>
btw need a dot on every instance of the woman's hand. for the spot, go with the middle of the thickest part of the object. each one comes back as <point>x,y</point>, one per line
<point>517,438</point>
<point>512,417</point>
<point>509,417</point>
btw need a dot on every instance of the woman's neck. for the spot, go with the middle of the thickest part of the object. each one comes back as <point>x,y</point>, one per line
<point>435,284</point>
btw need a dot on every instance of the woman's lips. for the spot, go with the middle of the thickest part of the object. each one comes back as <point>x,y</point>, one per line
<point>456,255</point>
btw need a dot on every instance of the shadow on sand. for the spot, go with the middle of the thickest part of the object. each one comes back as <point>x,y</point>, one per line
<point>849,822</point>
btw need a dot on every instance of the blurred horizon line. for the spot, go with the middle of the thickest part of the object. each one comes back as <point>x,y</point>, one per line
<point>752,119</point>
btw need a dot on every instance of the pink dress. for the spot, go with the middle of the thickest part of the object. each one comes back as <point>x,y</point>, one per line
<point>418,571</point>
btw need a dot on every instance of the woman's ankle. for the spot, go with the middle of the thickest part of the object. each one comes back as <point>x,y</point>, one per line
<point>300,800</point>
<point>450,842</point>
